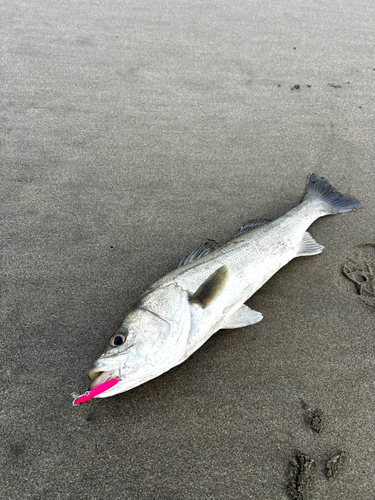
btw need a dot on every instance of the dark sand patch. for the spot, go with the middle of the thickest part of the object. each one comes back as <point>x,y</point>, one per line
<point>315,420</point>
<point>299,478</point>
<point>335,464</point>
<point>359,268</point>
<point>313,417</point>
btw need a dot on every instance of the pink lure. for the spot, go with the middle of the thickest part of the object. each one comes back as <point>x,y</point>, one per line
<point>96,391</point>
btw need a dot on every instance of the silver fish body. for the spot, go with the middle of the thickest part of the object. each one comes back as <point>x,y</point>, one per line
<point>187,306</point>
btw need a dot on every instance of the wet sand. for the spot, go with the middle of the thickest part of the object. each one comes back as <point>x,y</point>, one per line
<point>132,131</point>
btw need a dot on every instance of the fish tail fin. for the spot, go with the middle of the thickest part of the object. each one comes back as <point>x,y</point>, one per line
<point>333,201</point>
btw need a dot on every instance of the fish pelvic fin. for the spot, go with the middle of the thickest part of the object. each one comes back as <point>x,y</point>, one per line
<point>309,246</point>
<point>334,202</point>
<point>211,287</point>
<point>243,317</point>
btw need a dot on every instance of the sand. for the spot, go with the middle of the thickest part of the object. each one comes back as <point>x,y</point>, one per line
<point>131,132</point>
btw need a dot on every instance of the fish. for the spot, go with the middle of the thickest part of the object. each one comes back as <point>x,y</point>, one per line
<point>207,292</point>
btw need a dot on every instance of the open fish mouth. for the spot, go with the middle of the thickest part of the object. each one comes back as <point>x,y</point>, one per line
<point>98,376</point>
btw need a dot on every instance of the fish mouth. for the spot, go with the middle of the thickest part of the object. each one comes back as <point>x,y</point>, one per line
<point>98,376</point>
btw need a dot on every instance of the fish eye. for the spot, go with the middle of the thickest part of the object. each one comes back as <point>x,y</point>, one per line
<point>117,339</point>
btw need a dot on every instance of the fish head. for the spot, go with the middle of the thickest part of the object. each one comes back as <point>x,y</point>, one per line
<point>151,339</point>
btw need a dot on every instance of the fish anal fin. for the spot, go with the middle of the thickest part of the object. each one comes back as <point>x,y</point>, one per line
<point>252,224</point>
<point>211,287</point>
<point>309,246</point>
<point>243,317</point>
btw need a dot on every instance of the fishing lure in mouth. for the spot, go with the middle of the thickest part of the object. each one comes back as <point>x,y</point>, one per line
<point>95,392</point>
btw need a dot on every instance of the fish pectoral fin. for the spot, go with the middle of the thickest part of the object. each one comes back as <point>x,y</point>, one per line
<point>243,317</point>
<point>211,287</point>
<point>309,246</point>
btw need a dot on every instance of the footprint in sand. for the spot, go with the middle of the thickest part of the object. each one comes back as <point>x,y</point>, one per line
<point>359,267</point>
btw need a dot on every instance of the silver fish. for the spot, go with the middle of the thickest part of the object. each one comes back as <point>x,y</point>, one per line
<point>208,291</point>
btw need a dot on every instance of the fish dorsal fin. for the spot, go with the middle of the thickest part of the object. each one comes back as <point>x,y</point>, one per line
<point>202,250</point>
<point>243,317</point>
<point>211,287</point>
<point>252,224</point>
<point>309,246</point>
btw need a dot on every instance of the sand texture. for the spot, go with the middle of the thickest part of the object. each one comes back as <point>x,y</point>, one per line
<point>131,132</point>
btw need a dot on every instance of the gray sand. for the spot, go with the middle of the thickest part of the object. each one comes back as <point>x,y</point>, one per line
<point>131,131</point>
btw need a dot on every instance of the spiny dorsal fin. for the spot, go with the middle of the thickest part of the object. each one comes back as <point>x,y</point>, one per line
<point>203,249</point>
<point>309,246</point>
<point>211,288</point>
<point>252,224</point>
